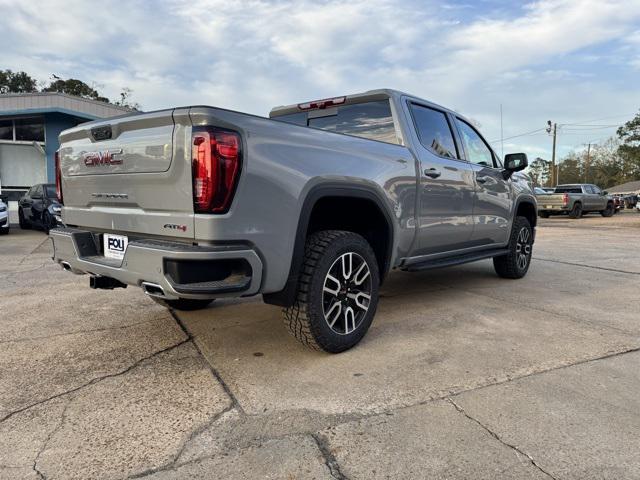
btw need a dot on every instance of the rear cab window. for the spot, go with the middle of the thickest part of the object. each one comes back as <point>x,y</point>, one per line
<point>568,189</point>
<point>372,120</point>
<point>434,131</point>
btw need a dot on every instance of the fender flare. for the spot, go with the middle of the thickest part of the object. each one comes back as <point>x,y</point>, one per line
<point>286,296</point>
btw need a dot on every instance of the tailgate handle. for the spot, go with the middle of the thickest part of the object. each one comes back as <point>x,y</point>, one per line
<point>101,133</point>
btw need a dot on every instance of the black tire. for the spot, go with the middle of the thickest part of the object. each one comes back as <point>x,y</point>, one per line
<point>184,304</point>
<point>609,211</point>
<point>512,264</point>
<point>4,231</point>
<point>543,214</point>
<point>576,211</point>
<point>24,223</point>
<point>307,319</point>
<point>47,223</point>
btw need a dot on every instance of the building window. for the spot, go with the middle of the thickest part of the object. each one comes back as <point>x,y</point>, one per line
<point>6,129</point>
<point>29,130</point>
<point>22,130</point>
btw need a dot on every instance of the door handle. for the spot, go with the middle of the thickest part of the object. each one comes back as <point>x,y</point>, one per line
<point>481,179</point>
<point>432,172</point>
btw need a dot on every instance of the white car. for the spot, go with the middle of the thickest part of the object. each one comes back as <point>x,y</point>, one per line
<point>4,218</point>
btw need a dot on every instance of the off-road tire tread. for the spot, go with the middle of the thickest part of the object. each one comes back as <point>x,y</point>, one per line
<point>572,213</point>
<point>297,316</point>
<point>506,265</point>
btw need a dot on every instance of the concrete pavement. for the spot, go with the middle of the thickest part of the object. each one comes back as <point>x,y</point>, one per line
<point>462,375</point>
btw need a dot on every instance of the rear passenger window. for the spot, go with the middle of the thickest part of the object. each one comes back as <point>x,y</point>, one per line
<point>434,131</point>
<point>477,150</point>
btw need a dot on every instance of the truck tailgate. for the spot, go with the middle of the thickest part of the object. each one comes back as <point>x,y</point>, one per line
<point>551,200</point>
<point>130,175</point>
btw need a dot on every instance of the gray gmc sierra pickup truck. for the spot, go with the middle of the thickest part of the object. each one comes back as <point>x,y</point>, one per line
<point>310,208</point>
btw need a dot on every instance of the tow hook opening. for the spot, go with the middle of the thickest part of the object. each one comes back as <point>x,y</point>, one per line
<point>105,283</point>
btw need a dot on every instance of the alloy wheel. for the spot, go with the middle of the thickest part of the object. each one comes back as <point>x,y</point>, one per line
<point>523,248</point>
<point>346,293</point>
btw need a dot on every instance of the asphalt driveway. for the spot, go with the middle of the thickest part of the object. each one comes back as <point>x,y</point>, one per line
<point>462,375</point>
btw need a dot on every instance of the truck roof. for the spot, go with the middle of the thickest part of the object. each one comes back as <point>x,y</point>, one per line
<point>368,96</point>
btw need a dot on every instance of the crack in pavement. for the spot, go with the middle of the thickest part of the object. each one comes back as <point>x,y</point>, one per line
<point>329,458</point>
<point>173,463</point>
<point>500,439</point>
<point>595,267</point>
<point>213,370</point>
<point>40,474</point>
<point>79,332</point>
<point>95,380</point>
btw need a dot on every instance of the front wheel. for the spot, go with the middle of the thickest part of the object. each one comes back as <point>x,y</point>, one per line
<point>515,264</point>
<point>185,304</point>
<point>24,223</point>
<point>337,292</point>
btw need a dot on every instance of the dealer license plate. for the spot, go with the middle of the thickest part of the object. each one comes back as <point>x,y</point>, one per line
<point>115,245</point>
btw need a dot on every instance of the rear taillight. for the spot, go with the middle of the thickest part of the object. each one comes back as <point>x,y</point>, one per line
<point>565,199</point>
<point>56,157</point>
<point>216,165</point>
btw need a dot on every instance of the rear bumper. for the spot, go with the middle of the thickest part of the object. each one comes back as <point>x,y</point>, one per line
<point>163,269</point>
<point>4,220</point>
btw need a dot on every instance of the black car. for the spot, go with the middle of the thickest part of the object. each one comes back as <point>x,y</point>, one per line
<point>39,207</point>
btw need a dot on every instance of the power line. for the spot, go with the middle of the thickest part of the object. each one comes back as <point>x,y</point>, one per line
<point>519,135</point>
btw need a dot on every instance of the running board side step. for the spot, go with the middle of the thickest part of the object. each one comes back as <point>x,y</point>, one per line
<point>455,260</point>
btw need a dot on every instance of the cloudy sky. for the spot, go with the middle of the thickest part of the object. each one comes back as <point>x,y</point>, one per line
<point>571,61</point>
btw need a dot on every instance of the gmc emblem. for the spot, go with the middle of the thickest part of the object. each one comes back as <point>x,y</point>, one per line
<point>93,159</point>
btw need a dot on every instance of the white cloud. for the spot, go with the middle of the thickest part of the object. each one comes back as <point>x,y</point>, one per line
<point>254,54</point>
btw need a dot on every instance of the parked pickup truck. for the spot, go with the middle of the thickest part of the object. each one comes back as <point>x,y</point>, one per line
<point>310,208</point>
<point>576,200</point>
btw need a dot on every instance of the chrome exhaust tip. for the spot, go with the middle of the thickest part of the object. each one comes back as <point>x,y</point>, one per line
<point>153,289</point>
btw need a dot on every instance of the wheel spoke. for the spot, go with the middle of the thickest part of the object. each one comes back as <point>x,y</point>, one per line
<point>361,299</point>
<point>361,274</point>
<point>334,313</point>
<point>347,265</point>
<point>336,283</point>
<point>349,315</point>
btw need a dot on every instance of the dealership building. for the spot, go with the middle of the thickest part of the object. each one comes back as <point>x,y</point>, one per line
<point>29,127</point>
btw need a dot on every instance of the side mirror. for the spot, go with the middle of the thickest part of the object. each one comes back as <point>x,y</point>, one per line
<point>514,162</point>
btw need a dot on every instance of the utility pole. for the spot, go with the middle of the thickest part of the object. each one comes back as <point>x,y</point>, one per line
<point>587,164</point>
<point>554,176</point>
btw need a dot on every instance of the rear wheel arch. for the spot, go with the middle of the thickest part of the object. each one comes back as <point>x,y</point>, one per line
<point>319,212</point>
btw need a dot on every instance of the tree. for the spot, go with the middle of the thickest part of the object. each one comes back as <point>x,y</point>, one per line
<point>75,87</point>
<point>629,150</point>
<point>16,82</point>
<point>540,171</point>
<point>571,169</point>
<point>125,100</point>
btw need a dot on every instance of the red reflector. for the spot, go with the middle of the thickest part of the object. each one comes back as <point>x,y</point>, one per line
<point>56,157</point>
<point>324,103</point>
<point>216,164</point>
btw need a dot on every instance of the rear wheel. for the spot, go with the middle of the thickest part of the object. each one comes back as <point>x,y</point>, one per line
<point>337,292</point>
<point>609,211</point>
<point>185,304</point>
<point>516,263</point>
<point>24,223</point>
<point>576,211</point>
